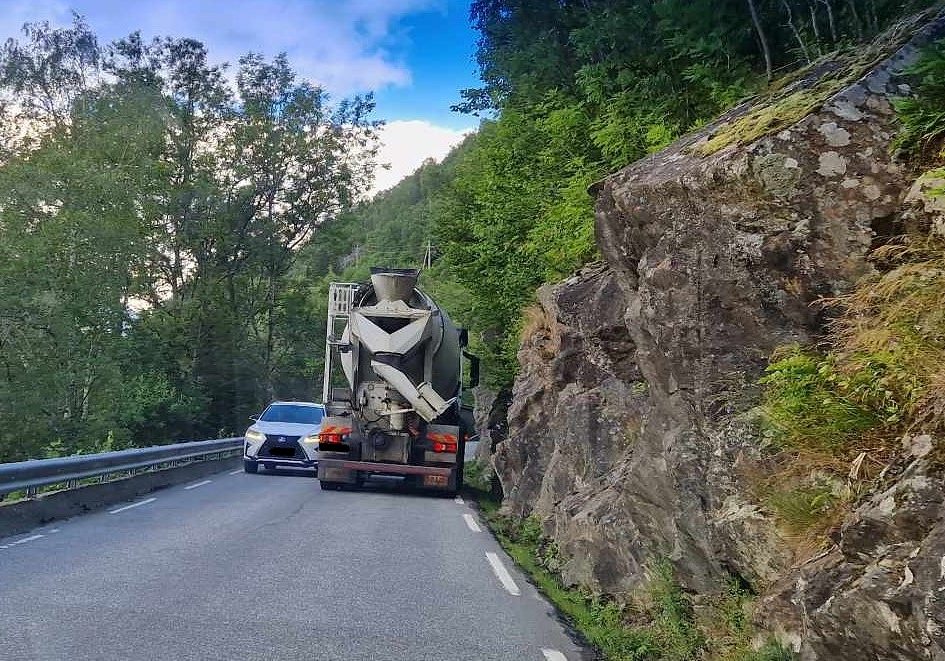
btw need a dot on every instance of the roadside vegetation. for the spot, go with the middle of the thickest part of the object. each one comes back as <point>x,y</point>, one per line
<point>660,622</point>
<point>836,413</point>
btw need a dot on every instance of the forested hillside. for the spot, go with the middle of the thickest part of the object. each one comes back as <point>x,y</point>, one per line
<point>168,228</point>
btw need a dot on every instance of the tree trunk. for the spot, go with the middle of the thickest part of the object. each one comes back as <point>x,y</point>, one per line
<point>816,28</point>
<point>797,33</point>
<point>830,20</point>
<point>271,302</point>
<point>872,17</point>
<point>762,38</point>
<point>856,19</point>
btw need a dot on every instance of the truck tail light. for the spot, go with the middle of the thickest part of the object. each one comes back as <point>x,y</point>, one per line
<point>333,439</point>
<point>443,442</point>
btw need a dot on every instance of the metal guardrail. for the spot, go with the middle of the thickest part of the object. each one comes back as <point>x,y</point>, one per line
<point>29,476</point>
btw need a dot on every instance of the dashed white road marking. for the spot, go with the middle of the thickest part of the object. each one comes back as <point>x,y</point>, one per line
<point>471,523</point>
<point>54,530</point>
<point>238,470</point>
<point>459,500</point>
<point>199,484</point>
<point>133,505</point>
<point>503,575</point>
<point>23,541</point>
<point>553,655</point>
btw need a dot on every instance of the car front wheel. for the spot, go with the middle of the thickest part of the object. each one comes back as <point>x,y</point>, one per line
<point>250,466</point>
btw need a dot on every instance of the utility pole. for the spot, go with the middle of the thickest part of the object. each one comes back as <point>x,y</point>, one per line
<point>428,257</point>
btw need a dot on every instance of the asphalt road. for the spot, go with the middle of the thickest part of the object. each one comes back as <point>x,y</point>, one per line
<point>270,567</point>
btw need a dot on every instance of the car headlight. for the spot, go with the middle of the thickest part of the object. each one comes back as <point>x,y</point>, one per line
<point>311,439</point>
<point>255,436</point>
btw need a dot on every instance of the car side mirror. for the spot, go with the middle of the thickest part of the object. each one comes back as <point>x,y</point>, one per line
<point>254,418</point>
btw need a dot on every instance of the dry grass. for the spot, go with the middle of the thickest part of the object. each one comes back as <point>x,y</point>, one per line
<point>541,330</point>
<point>811,492</point>
<point>893,328</point>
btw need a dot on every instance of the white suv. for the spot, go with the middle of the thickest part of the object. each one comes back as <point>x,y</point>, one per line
<point>285,434</point>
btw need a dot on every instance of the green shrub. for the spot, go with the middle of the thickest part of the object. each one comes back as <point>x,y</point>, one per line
<point>673,621</point>
<point>804,508</point>
<point>923,116</point>
<point>809,405</point>
<point>478,475</point>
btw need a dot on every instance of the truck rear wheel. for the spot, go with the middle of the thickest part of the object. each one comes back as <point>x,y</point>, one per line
<point>329,486</point>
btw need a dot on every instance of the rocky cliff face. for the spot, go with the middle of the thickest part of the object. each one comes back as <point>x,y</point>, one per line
<point>631,420</point>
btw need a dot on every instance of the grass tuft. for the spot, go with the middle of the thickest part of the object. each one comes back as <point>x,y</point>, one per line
<point>809,405</point>
<point>923,117</point>
<point>541,329</point>
<point>804,509</point>
<point>893,331</point>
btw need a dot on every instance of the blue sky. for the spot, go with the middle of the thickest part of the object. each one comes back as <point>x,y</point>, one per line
<point>439,53</point>
<point>414,54</point>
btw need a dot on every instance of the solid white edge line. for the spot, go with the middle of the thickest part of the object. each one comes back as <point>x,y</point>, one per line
<point>238,470</point>
<point>471,523</point>
<point>503,574</point>
<point>459,500</point>
<point>199,484</point>
<point>133,505</point>
<point>553,655</point>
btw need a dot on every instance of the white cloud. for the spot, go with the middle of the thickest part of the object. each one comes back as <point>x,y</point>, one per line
<point>346,45</point>
<point>406,144</point>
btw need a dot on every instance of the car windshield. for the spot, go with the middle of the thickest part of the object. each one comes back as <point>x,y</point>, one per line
<point>303,415</point>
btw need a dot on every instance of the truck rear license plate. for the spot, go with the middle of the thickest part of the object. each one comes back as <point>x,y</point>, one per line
<point>435,480</point>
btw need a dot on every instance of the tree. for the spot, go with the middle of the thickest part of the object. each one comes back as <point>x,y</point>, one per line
<point>149,220</point>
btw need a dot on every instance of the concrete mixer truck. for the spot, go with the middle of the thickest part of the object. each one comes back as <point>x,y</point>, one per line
<point>393,386</point>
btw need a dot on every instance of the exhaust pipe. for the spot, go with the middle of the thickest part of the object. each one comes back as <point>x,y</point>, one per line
<point>394,284</point>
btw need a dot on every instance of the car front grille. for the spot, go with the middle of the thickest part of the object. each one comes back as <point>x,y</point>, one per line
<point>279,446</point>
